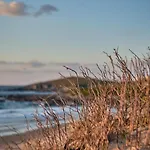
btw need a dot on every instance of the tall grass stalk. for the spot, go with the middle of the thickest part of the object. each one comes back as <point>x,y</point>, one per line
<point>125,86</point>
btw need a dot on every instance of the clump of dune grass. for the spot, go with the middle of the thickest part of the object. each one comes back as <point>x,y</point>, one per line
<point>123,86</point>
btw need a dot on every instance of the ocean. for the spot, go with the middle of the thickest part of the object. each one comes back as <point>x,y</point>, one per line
<point>19,116</point>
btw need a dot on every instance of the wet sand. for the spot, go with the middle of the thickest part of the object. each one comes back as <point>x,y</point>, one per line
<point>17,139</point>
<point>20,139</point>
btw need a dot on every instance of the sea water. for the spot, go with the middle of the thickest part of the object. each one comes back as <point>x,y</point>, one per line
<point>19,116</point>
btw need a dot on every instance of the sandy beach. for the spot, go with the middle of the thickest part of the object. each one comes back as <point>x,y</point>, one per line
<point>17,139</point>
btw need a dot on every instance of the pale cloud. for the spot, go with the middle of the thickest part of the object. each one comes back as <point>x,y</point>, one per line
<point>33,64</point>
<point>13,8</point>
<point>23,73</point>
<point>36,64</point>
<point>21,9</point>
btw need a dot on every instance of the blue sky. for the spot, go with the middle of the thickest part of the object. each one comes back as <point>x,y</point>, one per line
<point>78,32</point>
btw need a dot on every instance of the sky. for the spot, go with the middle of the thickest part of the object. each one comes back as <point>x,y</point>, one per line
<point>38,35</point>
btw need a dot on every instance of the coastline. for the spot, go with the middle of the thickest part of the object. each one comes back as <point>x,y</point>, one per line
<point>20,139</point>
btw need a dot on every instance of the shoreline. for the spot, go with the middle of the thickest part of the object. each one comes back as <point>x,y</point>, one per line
<point>19,139</point>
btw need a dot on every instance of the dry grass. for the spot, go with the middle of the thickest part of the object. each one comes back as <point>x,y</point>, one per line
<point>126,87</point>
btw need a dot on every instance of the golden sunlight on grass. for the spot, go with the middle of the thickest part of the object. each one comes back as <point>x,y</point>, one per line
<point>124,87</point>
